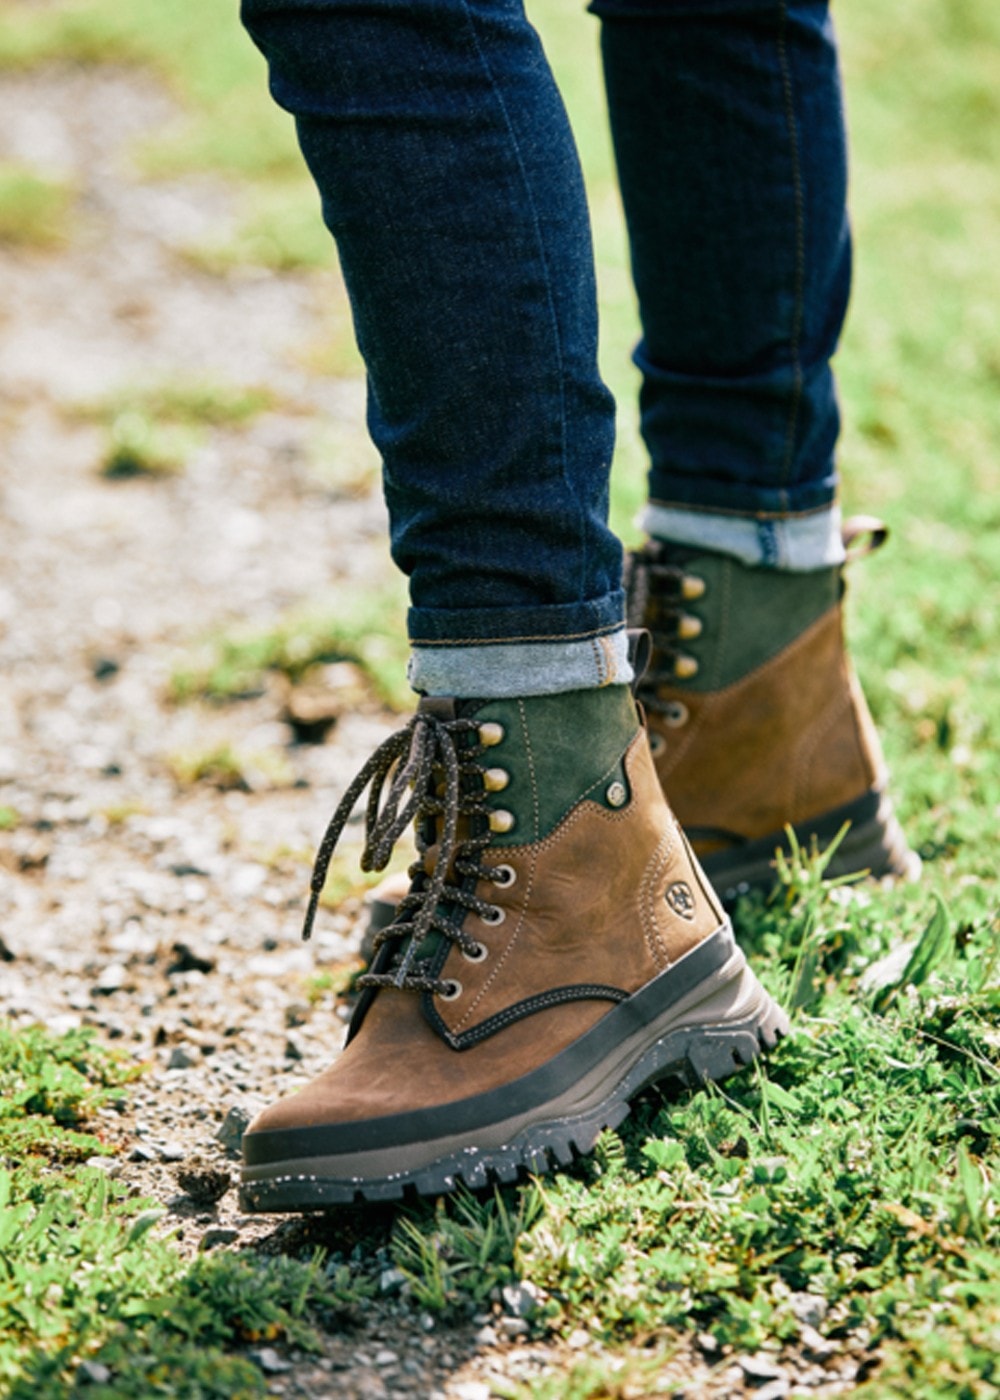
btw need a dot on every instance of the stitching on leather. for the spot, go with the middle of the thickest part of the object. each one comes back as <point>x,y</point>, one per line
<point>531,851</point>
<point>658,862</point>
<point>577,812</point>
<point>533,776</point>
<point>807,753</point>
<point>558,996</point>
<point>702,715</point>
<point>512,940</point>
<point>604,776</point>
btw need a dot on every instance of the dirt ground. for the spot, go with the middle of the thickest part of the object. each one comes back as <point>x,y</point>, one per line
<point>166,913</point>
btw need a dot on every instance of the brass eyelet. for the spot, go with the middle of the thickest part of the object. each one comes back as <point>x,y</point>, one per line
<point>491,733</point>
<point>503,876</point>
<point>495,779</point>
<point>685,667</point>
<point>689,626</point>
<point>692,586</point>
<point>451,990</point>
<point>501,821</point>
<point>616,795</point>
<point>478,955</point>
<point>495,917</point>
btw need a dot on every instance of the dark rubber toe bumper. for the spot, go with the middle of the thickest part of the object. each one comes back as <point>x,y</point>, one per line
<point>702,1019</point>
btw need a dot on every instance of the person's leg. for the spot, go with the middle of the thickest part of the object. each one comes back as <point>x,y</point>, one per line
<point>728,126</point>
<point>559,947</point>
<point>450,182</point>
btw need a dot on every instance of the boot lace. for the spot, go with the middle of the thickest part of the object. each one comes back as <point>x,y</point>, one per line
<point>655,588</point>
<point>405,773</point>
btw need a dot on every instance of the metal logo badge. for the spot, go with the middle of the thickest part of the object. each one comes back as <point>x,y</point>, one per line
<point>680,899</point>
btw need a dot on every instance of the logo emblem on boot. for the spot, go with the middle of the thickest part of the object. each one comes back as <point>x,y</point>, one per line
<point>680,899</point>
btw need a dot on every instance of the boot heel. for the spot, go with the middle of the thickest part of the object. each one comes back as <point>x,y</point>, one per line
<point>730,1029</point>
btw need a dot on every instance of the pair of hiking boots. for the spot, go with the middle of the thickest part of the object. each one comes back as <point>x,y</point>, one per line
<point>560,945</point>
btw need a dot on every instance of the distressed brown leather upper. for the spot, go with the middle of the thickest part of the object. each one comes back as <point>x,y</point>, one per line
<point>589,906</point>
<point>787,742</point>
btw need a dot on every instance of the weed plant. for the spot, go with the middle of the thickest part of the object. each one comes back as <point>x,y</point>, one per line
<point>855,1176</point>
<point>92,1300</point>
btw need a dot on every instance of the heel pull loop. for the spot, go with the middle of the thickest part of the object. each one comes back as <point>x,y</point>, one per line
<point>640,653</point>
<point>863,535</point>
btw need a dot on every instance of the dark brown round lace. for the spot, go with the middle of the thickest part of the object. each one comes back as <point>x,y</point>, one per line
<point>413,763</point>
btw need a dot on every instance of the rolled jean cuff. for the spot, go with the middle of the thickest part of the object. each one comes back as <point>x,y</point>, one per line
<point>506,670</point>
<point>797,544</point>
<point>559,622</point>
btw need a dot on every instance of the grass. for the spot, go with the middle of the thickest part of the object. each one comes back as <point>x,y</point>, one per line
<point>364,629</point>
<point>35,211</point>
<point>93,1300</point>
<point>860,1168</point>
<point>228,769</point>
<point>153,429</point>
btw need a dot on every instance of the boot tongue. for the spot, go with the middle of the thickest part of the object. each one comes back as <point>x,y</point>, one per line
<point>442,707</point>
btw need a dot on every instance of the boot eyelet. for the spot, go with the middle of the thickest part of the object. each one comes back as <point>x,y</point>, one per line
<point>491,733</point>
<point>657,744</point>
<point>689,626</point>
<point>616,795</point>
<point>503,877</point>
<point>501,821</point>
<point>692,586</point>
<point>495,779</point>
<point>675,714</point>
<point>478,955</point>
<point>685,667</point>
<point>450,990</point>
<point>495,917</point>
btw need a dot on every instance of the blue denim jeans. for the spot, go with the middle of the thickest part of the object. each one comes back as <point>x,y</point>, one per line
<point>449,179</point>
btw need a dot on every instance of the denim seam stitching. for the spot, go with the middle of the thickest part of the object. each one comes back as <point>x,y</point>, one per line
<point>556,329</point>
<point>751,514</point>
<point>607,631</point>
<point>793,139</point>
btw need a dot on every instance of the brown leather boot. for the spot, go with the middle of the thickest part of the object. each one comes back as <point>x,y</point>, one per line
<point>756,718</point>
<point>558,951</point>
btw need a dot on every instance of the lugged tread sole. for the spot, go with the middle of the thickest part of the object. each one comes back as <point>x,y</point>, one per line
<point>692,1053</point>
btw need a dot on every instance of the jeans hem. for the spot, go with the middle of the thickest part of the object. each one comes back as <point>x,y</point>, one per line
<point>504,671</point>
<point>758,503</point>
<point>472,627</point>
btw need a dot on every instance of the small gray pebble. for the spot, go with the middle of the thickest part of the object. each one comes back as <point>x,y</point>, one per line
<point>93,1372</point>
<point>269,1361</point>
<point>520,1299</point>
<point>183,1057</point>
<point>234,1125</point>
<point>760,1368</point>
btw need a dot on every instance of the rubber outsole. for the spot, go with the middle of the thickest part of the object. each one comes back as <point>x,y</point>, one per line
<point>874,845</point>
<point>711,1034</point>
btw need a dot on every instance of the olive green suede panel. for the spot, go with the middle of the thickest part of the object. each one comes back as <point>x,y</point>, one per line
<point>557,750</point>
<point>748,615</point>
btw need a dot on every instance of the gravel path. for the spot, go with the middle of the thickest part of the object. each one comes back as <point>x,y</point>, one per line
<point>164,913</point>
